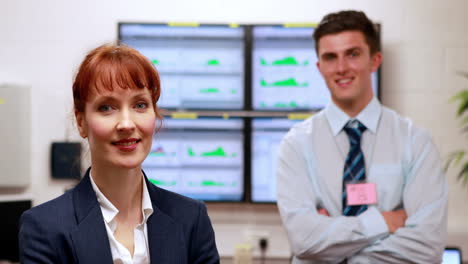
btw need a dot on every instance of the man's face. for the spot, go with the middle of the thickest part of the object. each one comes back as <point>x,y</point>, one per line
<point>345,62</point>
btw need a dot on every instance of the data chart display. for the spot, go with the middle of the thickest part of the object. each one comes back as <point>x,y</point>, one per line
<point>267,134</point>
<point>185,159</point>
<point>284,71</point>
<point>201,66</point>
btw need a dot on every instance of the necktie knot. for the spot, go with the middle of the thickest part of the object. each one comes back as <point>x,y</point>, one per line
<point>354,130</point>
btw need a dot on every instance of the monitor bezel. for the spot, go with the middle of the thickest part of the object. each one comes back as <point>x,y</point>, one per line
<point>245,57</point>
<point>378,89</point>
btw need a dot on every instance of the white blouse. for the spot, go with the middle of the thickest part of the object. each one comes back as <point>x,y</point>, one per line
<point>120,254</point>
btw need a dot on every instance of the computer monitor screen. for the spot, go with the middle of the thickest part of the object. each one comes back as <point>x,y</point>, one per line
<point>452,255</point>
<point>9,228</point>
<point>267,134</point>
<point>200,158</point>
<point>284,71</point>
<point>201,67</point>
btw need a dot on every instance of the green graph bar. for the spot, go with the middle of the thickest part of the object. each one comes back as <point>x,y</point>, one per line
<point>163,183</point>
<point>286,105</point>
<point>190,152</point>
<point>211,183</point>
<point>213,62</point>
<point>291,82</point>
<point>287,61</point>
<point>157,154</point>
<point>219,152</point>
<point>209,90</point>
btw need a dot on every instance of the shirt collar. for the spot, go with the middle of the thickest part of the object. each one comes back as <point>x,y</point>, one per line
<point>369,116</point>
<point>146,205</point>
<point>109,211</point>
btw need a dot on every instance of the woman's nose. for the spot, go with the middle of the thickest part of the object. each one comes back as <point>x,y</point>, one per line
<point>125,122</point>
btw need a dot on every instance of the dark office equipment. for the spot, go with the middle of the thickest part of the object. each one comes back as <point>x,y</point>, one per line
<point>9,228</point>
<point>66,160</point>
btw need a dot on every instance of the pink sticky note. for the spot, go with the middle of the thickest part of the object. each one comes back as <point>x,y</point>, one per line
<point>361,193</point>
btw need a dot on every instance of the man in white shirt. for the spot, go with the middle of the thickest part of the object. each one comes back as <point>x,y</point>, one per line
<point>357,183</point>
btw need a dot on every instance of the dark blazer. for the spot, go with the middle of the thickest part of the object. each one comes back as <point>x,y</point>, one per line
<point>71,229</point>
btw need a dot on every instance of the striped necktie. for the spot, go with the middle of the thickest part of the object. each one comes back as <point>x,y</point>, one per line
<point>354,169</point>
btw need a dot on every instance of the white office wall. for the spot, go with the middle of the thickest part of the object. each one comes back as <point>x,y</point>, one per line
<point>424,44</point>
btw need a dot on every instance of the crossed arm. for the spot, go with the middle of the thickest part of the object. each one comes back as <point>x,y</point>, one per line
<point>414,233</point>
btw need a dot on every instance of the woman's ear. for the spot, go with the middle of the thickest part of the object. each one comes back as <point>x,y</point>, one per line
<point>81,122</point>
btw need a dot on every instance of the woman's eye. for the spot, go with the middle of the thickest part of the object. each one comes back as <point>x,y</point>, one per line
<point>141,106</point>
<point>104,108</point>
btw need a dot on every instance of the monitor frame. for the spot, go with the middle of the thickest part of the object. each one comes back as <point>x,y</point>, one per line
<point>377,94</point>
<point>245,57</point>
<point>244,144</point>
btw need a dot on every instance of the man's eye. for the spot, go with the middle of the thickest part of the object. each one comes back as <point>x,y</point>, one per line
<point>355,54</point>
<point>104,108</point>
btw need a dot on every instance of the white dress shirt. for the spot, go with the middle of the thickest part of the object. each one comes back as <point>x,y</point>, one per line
<point>120,254</point>
<point>400,159</point>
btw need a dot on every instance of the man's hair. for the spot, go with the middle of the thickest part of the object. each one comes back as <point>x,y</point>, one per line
<point>348,20</point>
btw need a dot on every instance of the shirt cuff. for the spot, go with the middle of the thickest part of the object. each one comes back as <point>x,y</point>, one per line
<point>373,222</point>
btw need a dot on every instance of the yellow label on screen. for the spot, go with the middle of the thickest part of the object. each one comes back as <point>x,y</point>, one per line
<point>184,115</point>
<point>299,116</point>
<point>306,25</point>
<point>2,101</point>
<point>183,24</point>
<point>234,25</point>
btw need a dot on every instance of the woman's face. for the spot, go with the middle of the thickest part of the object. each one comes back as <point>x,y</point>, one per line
<point>119,125</point>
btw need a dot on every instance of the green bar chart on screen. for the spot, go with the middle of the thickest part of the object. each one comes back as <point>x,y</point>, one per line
<point>163,183</point>
<point>291,82</point>
<point>210,91</point>
<point>287,61</point>
<point>213,62</point>
<point>212,183</point>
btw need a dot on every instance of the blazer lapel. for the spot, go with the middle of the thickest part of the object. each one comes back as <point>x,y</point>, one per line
<point>165,236</point>
<point>90,237</point>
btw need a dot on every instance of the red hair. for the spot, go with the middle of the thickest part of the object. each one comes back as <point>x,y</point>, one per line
<point>108,66</point>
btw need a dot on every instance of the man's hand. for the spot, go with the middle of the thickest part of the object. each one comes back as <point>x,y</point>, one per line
<point>395,219</point>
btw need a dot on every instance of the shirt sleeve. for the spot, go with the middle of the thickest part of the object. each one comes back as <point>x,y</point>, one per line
<point>311,235</point>
<point>425,199</point>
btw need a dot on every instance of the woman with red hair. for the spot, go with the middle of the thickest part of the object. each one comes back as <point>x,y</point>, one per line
<point>115,215</point>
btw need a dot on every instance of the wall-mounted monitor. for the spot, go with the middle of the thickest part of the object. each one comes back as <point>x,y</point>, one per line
<point>201,158</point>
<point>267,134</point>
<point>201,66</point>
<point>284,72</point>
